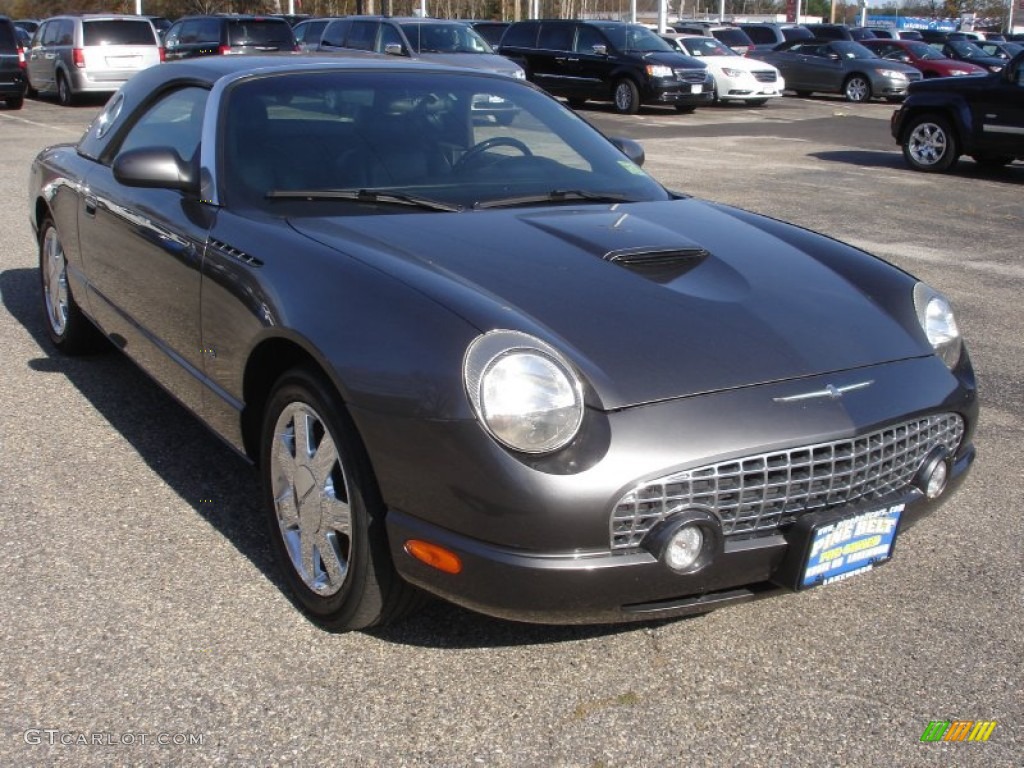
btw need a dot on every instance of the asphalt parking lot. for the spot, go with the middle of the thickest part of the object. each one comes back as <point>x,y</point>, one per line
<point>142,621</point>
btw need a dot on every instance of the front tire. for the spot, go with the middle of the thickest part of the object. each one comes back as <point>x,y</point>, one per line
<point>930,145</point>
<point>626,97</point>
<point>857,89</point>
<point>69,329</point>
<point>324,511</point>
<point>576,103</point>
<point>16,102</point>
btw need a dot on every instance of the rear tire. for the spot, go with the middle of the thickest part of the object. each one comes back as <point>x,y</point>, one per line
<point>685,109</point>
<point>929,144</point>
<point>65,96</point>
<point>757,102</point>
<point>15,102</point>
<point>993,161</point>
<point>577,103</point>
<point>626,97</point>
<point>324,510</point>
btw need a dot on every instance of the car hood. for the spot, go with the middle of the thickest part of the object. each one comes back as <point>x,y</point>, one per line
<point>736,300</point>
<point>736,62</point>
<point>969,84</point>
<point>486,62</point>
<point>670,59</point>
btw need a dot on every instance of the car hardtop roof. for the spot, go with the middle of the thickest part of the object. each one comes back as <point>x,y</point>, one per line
<point>210,69</point>
<point>94,16</point>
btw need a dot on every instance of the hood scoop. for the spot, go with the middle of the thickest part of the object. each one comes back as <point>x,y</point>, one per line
<point>662,265</point>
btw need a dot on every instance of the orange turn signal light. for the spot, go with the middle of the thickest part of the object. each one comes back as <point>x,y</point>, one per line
<point>434,556</point>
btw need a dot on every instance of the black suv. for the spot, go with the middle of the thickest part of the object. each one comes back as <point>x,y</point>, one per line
<point>213,35</point>
<point>607,60</point>
<point>12,66</point>
<point>981,116</point>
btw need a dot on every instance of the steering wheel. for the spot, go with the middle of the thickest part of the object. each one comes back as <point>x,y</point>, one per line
<point>476,150</point>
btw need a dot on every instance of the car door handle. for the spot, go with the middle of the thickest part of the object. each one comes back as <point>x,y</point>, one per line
<point>560,59</point>
<point>90,205</point>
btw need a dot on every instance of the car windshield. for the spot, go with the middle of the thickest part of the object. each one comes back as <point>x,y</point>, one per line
<point>923,51</point>
<point>444,38</point>
<point>706,46</point>
<point>402,141</point>
<point>966,50</point>
<point>850,50</point>
<point>633,37</point>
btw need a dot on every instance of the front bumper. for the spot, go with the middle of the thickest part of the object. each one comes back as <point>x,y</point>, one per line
<point>538,538</point>
<point>673,91</point>
<point>608,587</point>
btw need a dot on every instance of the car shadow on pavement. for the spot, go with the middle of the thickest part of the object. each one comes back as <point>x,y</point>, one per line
<point>222,488</point>
<point>1010,174</point>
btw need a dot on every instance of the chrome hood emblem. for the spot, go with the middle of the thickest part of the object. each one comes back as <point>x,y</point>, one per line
<point>832,392</point>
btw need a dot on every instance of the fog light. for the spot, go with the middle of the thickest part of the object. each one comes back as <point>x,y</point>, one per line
<point>686,541</point>
<point>934,474</point>
<point>684,548</point>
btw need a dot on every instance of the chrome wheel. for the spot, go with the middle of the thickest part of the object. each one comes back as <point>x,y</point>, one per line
<point>858,89</point>
<point>627,97</point>
<point>311,499</point>
<point>55,282</point>
<point>929,144</point>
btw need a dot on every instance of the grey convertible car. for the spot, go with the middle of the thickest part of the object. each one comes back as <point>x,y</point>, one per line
<point>839,66</point>
<point>496,363</point>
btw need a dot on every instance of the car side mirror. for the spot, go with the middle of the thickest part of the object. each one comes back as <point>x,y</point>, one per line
<point>155,168</point>
<point>393,49</point>
<point>630,148</point>
<point>600,50</point>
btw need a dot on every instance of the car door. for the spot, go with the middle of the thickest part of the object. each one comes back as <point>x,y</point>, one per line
<point>143,249</point>
<point>42,57</point>
<point>590,72</point>
<point>823,68</point>
<point>551,63</point>
<point>998,113</point>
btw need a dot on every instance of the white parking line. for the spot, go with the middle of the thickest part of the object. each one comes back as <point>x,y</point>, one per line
<point>47,126</point>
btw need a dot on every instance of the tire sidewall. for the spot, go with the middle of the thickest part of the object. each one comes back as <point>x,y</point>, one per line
<point>949,156</point>
<point>357,604</point>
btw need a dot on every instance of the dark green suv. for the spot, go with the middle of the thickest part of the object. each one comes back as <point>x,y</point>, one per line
<point>12,66</point>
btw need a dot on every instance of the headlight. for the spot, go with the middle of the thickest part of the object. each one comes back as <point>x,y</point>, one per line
<point>525,394</point>
<point>995,67</point>
<point>659,70</point>
<point>519,74</point>
<point>958,72</point>
<point>939,324</point>
<point>730,72</point>
<point>893,74</point>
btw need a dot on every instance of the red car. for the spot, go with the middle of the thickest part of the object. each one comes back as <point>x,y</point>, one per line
<point>929,60</point>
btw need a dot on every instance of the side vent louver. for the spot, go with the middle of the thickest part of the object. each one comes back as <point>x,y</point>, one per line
<point>660,265</point>
<point>234,253</point>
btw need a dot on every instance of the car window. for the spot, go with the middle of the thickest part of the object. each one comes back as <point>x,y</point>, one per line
<point>335,33</point>
<point>362,36</point>
<point>65,33</point>
<point>850,50</point>
<point>269,32</point>
<point>555,37</point>
<point>633,37</point>
<point>761,35</point>
<point>521,35</point>
<point>587,38</point>
<point>389,36</point>
<point>176,121</point>
<point>118,32</point>
<point>207,31</point>
<point>425,37</point>
<point>796,33</point>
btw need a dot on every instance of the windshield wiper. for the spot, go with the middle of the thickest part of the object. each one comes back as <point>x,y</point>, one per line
<point>554,196</point>
<point>363,196</point>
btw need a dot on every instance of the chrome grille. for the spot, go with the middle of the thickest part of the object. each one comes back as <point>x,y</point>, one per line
<point>692,76</point>
<point>764,75</point>
<point>759,493</point>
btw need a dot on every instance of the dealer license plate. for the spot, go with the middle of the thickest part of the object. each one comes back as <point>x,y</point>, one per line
<point>850,546</point>
<point>696,89</point>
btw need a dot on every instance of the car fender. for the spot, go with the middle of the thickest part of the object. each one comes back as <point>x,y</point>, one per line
<point>952,106</point>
